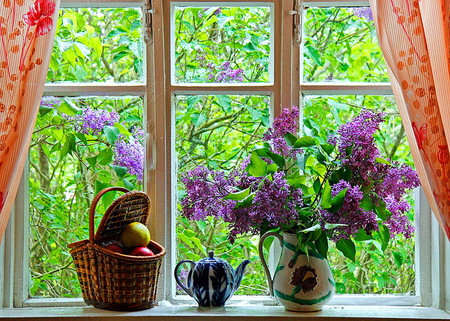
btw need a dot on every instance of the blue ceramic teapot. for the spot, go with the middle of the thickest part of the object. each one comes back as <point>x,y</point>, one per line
<point>211,281</point>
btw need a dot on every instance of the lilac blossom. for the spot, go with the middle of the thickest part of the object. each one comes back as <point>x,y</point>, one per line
<point>275,202</point>
<point>225,73</point>
<point>286,122</point>
<point>363,12</point>
<point>205,192</point>
<point>272,202</point>
<point>350,214</point>
<point>356,144</point>
<point>129,153</point>
<point>50,101</point>
<point>92,121</point>
<point>398,222</point>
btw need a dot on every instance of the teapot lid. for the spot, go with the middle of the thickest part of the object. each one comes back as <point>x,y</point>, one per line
<point>212,259</point>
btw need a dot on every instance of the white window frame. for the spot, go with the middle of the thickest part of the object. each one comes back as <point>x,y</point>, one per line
<point>433,274</point>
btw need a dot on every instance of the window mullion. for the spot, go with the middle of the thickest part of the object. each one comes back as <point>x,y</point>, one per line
<point>93,89</point>
<point>158,150</point>
<point>324,88</point>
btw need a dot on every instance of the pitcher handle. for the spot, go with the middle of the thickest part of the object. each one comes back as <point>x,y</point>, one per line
<point>263,260</point>
<point>177,267</point>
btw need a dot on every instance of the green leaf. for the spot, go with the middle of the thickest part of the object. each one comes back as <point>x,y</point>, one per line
<point>44,110</point>
<point>82,138</point>
<point>311,229</point>
<point>382,161</point>
<point>367,203</point>
<point>238,196</point>
<point>128,184</point>
<point>337,201</point>
<point>305,141</point>
<point>362,236</point>
<point>68,147</point>
<point>398,259</point>
<point>316,185</point>
<point>257,166</point>
<point>381,211</point>
<point>198,119</point>
<point>290,139</point>
<point>328,148</point>
<point>347,247</point>
<point>245,202</point>
<point>111,133</point>
<point>383,236</point>
<point>198,244</point>
<point>68,108</point>
<point>330,226</point>
<point>315,55</point>
<point>105,156</point>
<point>322,244</point>
<point>277,159</point>
<point>186,240</point>
<point>225,102</point>
<point>120,170</point>
<point>326,195</point>
<point>92,161</point>
<point>98,186</point>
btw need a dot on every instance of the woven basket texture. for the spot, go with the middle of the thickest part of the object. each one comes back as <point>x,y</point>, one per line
<point>110,280</point>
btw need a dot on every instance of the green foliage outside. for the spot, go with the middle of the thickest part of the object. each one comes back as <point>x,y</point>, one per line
<point>212,45</point>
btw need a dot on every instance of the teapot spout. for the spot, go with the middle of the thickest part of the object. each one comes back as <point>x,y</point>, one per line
<point>239,273</point>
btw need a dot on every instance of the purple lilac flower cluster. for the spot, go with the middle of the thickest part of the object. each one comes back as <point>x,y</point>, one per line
<point>129,153</point>
<point>350,214</point>
<point>281,197</point>
<point>225,73</point>
<point>92,121</point>
<point>50,101</point>
<point>286,122</point>
<point>275,202</point>
<point>356,144</point>
<point>363,12</point>
<point>388,181</point>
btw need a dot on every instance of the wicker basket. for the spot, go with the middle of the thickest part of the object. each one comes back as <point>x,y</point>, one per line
<point>110,280</point>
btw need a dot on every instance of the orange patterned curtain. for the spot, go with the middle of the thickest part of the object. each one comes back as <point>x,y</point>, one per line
<point>26,38</point>
<point>415,39</point>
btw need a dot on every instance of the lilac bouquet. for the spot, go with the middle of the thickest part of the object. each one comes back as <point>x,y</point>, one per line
<point>339,190</point>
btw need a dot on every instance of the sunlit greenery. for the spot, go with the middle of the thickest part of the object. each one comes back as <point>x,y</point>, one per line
<point>212,45</point>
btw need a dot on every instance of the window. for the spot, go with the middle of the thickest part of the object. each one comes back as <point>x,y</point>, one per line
<point>166,82</point>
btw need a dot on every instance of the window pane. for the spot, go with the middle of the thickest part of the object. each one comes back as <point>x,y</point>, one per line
<point>222,44</point>
<point>374,271</point>
<point>340,44</point>
<point>79,146</point>
<point>217,132</point>
<point>97,45</point>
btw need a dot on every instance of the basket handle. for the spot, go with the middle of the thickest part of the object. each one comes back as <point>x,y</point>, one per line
<point>94,205</point>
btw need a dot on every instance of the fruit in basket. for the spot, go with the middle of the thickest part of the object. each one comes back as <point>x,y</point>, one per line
<point>142,251</point>
<point>115,247</point>
<point>135,234</point>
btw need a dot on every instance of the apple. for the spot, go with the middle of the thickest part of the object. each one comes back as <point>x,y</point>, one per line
<point>141,251</point>
<point>115,248</point>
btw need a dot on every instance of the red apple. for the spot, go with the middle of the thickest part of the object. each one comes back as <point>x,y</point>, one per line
<point>142,251</point>
<point>115,248</point>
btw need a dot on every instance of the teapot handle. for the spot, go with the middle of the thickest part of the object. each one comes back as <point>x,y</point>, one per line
<point>263,260</point>
<point>177,267</point>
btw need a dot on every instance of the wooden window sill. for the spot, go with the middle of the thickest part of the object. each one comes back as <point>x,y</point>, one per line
<point>228,313</point>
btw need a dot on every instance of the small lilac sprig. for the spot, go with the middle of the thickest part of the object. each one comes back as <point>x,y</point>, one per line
<point>92,121</point>
<point>225,73</point>
<point>363,12</point>
<point>129,153</point>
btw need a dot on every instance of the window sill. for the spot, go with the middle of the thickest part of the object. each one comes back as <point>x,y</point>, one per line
<point>228,313</point>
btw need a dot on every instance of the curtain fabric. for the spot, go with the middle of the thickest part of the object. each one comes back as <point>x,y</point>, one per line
<point>414,37</point>
<point>27,30</point>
